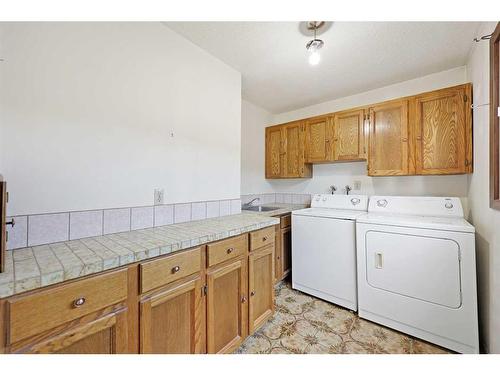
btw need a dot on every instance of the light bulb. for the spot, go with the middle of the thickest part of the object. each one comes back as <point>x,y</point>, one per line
<point>314,58</point>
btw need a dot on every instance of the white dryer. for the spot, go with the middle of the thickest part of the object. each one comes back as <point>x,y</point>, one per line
<point>417,269</point>
<point>324,247</point>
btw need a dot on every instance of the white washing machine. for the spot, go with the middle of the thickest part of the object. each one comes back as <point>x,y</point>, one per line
<point>417,269</point>
<point>324,247</point>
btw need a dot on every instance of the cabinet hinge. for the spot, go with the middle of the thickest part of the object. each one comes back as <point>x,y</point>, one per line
<point>6,197</point>
<point>205,289</point>
<point>6,236</point>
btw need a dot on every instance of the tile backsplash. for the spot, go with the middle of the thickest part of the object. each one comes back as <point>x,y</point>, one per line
<point>40,229</point>
<point>267,198</point>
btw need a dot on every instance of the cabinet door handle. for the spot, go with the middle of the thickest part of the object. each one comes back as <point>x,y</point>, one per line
<point>252,293</point>
<point>230,250</point>
<point>243,299</point>
<point>176,269</point>
<point>79,302</point>
<point>404,139</point>
<point>264,239</point>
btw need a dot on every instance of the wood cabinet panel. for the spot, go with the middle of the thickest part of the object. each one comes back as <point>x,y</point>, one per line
<point>261,238</point>
<point>224,250</point>
<point>441,132</point>
<point>318,140</point>
<point>285,221</point>
<point>58,305</point>
<point>388,154</point>
<point>286,251</point>
<point>293,144</point>
<point>172,320</point>
<point>103,335</point>
<point>274,152</point>
<point>261,287</point>
<point>349,137</point>
<point>3,231</point>
<point>159,272</point>
<point>227,306</point>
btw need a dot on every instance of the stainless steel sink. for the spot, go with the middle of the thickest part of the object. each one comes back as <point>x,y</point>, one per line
<point>260,208</point>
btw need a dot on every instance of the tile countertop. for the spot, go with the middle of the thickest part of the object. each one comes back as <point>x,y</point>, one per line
<point>39,266</point>
<point>283,209</point>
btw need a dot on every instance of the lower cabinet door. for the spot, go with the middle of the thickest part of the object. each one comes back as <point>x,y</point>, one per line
<point>172,321</point>
<point>103,335</point>
<point>286,251</point>
<point>260,286</point>
<point>227,306</point>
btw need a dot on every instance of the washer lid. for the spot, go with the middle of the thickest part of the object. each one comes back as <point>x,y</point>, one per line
<point>455,224</point>
<point>329,213</point>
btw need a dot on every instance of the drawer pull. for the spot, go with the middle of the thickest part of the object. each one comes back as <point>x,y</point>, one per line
<point>176,269</point>
<point>230,250</point>
<point>264,238</point>
<point>78,302</point>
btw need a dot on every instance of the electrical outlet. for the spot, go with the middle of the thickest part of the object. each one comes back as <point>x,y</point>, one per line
<point>159,196</point>
<point>356,185</point>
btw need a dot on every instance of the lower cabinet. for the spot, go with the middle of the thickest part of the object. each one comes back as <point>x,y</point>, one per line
<point>283,253</point>
<point>103,335</point>
<point>227,306</point>
<point>173,320</point>
<point>260,287</point>
<point>201,300</point>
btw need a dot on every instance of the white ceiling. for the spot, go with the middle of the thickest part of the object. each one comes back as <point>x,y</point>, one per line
<point>357,56</point>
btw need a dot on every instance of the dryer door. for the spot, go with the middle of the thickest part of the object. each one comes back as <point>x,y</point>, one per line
<point>425,268</point>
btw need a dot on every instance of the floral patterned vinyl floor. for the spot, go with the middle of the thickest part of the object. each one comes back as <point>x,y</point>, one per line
<point>304,324</point>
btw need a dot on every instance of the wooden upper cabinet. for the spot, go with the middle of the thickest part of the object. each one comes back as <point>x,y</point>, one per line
<point>388,153</point>
<point>274,152</point>
<point>443,138</point>
<point>294,159</point>
<point>172,321</point>
<point>285,151</point>
<point>349,135</point>
<point>227,306</point>
<point>424,134</point>
<point>318,139</point>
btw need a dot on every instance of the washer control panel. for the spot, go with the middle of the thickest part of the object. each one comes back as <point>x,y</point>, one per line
<point>340,202</point>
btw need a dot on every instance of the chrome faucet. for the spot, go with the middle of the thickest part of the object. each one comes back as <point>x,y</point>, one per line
<point>347,189</point>
<point>333,189</point>
<point>249,204</point>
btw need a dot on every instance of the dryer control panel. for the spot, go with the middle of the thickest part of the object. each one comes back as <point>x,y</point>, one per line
<point>417,206</point>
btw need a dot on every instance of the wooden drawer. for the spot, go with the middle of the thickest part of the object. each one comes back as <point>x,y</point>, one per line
<point>44,310</point>
<point>221,251</point>
<point>163,271</point>
<point>286,221</point>
<point>262,237</point>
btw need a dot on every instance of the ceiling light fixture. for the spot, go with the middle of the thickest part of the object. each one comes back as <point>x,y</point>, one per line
<point>313,46</point>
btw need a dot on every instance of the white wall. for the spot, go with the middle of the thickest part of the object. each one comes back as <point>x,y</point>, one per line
<point>486,220</point>
<point>254,119</point>
<point>341,174</point>
<point>87,109</point>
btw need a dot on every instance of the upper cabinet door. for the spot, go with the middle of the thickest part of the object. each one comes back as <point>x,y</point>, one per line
<point>293,138</point>
<point>388,154</point>
<point>442,132</point>
<point>274,152</point>
<point>349,137</point>
<point>318,140</point>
